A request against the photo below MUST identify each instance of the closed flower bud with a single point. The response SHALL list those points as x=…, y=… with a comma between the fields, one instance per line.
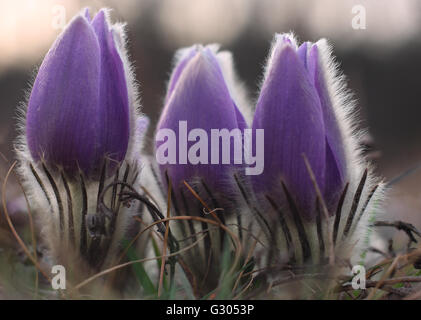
x=82, y=137
x=289, y=111
x=199, y=105
x=315, y=182
x=78, y=110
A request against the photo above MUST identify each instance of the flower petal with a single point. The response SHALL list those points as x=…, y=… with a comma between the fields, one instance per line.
x=335, y=153
x=114, y=115
x=183, y=57
x=60, y=125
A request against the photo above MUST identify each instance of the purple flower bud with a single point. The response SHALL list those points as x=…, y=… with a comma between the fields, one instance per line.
x=296, y=112
x=78, y=111
x=198, y=100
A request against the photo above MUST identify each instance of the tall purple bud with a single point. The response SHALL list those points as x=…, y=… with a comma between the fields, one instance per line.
x=199, y=106
x=82, y=133
x=78, y=110
x=290, y=108
x=307, y=114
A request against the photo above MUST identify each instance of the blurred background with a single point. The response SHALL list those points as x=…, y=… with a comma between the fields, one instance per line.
x=382, y=59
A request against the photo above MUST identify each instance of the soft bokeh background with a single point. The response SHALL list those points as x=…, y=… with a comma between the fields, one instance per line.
x=382, y=62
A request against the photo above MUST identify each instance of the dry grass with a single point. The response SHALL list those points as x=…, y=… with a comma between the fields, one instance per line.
x=392, y=277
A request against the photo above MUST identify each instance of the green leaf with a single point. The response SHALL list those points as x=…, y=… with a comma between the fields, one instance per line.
x=140, y=272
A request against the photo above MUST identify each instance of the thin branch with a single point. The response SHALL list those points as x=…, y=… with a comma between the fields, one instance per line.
x=408, y=228
x=164, y=248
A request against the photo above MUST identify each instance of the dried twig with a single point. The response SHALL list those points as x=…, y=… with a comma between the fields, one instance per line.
x=164, y=248
x=324, y=209
x=408, y=228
